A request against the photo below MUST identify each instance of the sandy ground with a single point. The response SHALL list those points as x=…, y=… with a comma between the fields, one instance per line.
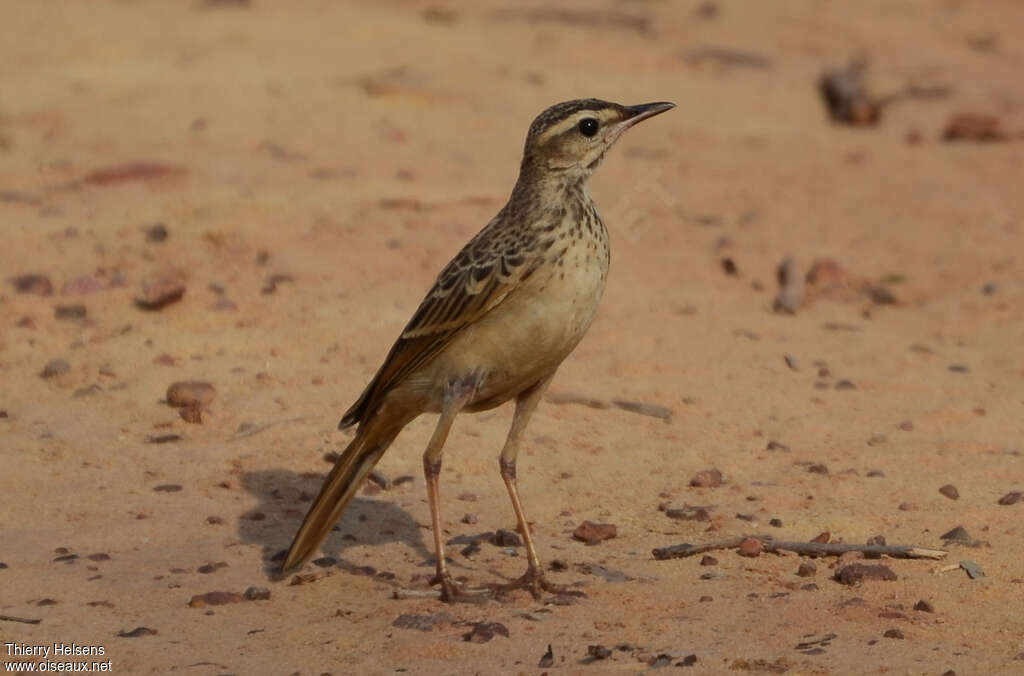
x=315, y=164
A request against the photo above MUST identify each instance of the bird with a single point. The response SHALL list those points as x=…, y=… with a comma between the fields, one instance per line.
x=497, y=323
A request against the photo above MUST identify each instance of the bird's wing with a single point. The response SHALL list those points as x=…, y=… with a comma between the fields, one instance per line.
x=478, y=279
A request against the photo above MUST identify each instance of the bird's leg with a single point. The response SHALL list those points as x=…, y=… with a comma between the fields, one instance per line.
x=533, y=579
x=457, y=394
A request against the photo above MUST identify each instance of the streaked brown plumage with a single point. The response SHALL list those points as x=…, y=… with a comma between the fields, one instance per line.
x=496, y=325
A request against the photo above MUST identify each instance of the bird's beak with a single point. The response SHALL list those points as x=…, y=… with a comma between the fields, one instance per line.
x=644, y=111
x=638, y=114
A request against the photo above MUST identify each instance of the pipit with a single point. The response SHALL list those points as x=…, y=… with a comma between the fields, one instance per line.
x=496, y=325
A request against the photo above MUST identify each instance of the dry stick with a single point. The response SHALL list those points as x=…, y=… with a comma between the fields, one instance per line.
x=256, y=429
x=824, y=548
x=23, y=620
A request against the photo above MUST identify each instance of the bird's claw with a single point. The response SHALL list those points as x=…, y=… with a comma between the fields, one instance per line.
x=533, y=581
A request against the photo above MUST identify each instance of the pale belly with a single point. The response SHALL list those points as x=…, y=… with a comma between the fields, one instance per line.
x=525, y=338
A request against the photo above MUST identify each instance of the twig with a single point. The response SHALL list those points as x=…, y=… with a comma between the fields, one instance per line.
x=686, y=549
x=945, y=569
x=23, y=620
x=824, y=548
x=256, y=429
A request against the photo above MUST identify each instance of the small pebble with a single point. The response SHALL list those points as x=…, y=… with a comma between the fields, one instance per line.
x=592, y=533
x=708, y=478
x=950, y=491
x=750, y=547
x=167, y=488
x=818, y=468
x=81, y=286
x=191, y=413
x=807, y=570
x=73, y=312
x=893, y=633
x=214, y=598
x=599, y=652
x=1011, y=498
x=791, y=287
x=972, y=126
x=325, y=562
x=196, y=393
x=775, y=523
x=924, y=606
x=39, y=285
x=257, y=594
x=422, y=621
x=54, y=368
x=137, y=632
x=972, y=569
x=483, y=632
x=156, y=233
x=547, y=660
x=369, y=571
x=208, y=568
x=159, y=293
x=845, y=385
x=652, y=410
x=958, y=535
x=506, y=538
x=855, y=573
x=162, y=438
x=469, y=518
x=688, y=514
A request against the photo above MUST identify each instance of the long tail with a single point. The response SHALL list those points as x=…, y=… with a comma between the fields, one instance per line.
x=340, y=487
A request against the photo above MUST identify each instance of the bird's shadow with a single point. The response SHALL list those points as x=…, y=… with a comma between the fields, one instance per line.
x=284, y=497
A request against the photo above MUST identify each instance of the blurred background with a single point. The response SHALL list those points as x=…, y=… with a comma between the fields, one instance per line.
x=815, y=264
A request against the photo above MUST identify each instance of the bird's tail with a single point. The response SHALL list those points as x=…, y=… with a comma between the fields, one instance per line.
x=341, y=485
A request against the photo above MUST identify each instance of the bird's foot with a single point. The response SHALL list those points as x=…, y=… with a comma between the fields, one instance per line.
x=450, y=591
x=533, y=581
x=456, y=592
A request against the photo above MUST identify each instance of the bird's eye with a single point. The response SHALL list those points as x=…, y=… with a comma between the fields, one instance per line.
x=588, y=126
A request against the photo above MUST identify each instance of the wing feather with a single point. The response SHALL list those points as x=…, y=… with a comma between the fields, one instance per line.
x=471, y=285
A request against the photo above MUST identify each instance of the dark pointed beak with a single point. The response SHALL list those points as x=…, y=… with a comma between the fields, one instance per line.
x=644, y=111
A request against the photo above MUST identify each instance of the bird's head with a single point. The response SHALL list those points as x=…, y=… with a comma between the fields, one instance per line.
x=571, y=138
